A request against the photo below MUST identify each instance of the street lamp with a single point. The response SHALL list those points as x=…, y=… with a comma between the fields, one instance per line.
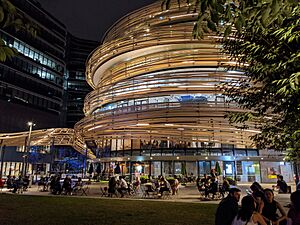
x=27, y=147
x=84, y=161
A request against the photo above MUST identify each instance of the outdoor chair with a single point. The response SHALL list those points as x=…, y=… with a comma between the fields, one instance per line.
x=104, y=192
x=20, y=189
x=166, y=195
x=81, y=190
x=151, y=192
x=143, y=191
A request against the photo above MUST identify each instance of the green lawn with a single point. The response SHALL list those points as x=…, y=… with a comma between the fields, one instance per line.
x=38, y=210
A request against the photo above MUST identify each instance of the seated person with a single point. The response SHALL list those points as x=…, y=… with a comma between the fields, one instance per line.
x=123, y=187
x=258, y=196
x=225, y=187
x=213, y=188
x=9, y=182
x=204, y=183
x=56, y=189
x=26, y=183
x=78, y=184
x=281, y=184
x=67, y=185
x=294, y=212
x=18, y=184
x=164, y=185
x=42, y=184
x=269, y=211
x=112, y=186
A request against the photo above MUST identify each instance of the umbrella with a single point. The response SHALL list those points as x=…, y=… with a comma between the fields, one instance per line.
x=183, y=168
x=218, y=168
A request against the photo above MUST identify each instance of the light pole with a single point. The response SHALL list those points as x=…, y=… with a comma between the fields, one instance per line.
x=27, y=147
x=2, y=150
x=84, y=162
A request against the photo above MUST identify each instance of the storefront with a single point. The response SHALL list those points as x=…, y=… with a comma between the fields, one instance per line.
x=242, y=169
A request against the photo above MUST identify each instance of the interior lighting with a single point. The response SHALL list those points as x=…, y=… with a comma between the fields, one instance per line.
x=188, y=61
x=142, y=124
x=139, y=168
x=193, y=86
x=169, y=124
x=93, y=128
x=177, y=157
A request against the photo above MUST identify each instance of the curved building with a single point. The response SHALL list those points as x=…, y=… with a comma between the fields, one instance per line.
x=157, y=105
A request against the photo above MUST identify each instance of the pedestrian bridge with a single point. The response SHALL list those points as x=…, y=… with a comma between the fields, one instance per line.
x=44, y=137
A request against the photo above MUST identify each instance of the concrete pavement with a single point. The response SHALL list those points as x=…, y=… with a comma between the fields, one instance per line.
x=188, y=193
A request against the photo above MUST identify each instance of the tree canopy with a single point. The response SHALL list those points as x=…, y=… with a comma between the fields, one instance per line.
x=10, y=17
x=264, y=43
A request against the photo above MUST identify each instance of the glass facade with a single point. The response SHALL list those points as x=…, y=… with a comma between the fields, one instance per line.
x=31, y=83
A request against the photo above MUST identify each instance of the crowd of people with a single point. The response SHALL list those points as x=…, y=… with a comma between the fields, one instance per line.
x=67, y=186
x=210, y=185
x=17, y=184
x=258, y=208
x=160, y=185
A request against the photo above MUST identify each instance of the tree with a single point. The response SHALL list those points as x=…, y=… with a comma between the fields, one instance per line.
x=264, y=39
x=271, y=88
x=10, y=17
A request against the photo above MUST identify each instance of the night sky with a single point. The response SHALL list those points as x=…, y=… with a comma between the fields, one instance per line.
x=89, y=19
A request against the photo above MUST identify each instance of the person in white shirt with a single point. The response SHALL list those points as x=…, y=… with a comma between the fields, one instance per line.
x=175, y=186
x=123, y=186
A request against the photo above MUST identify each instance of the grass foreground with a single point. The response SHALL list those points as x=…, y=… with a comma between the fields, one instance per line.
x=41, y=210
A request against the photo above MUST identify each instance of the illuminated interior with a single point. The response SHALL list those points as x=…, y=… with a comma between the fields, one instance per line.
x=154, y=83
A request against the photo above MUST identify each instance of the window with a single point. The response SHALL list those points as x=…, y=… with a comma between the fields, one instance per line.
x=252, y=153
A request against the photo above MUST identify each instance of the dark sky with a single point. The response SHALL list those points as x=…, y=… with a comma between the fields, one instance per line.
x=90, y=19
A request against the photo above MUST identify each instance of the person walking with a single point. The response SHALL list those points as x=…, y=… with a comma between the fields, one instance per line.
x=228, y=208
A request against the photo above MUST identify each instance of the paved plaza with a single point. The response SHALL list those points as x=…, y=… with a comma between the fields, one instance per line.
x=188, y=193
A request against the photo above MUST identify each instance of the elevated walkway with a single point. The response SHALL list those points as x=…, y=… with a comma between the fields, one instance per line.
x=53, y=136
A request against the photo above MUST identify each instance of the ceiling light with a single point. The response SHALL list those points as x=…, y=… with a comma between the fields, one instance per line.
x=169, y=124
x=142, y=124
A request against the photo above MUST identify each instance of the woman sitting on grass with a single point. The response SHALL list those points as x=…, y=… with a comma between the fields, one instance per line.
x=271, y=206
x=247, y=214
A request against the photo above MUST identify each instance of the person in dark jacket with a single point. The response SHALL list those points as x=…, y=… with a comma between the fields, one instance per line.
x=281, y=184
x=294, y=212
x=228, y=208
